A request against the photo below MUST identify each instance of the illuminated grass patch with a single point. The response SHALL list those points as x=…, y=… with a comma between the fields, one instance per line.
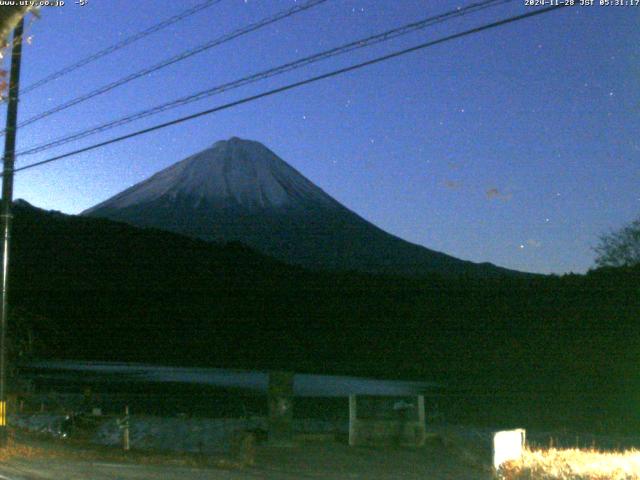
x=573, y=464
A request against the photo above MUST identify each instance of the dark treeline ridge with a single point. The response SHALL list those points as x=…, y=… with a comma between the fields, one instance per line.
x=563, y=348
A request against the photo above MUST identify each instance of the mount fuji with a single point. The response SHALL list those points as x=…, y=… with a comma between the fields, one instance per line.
x=239, y=190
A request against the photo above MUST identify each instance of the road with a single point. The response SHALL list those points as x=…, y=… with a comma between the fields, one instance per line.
x=76, y=470
x=314, y=462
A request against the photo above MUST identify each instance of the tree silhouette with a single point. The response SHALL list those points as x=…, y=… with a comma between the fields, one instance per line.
x=620, y=248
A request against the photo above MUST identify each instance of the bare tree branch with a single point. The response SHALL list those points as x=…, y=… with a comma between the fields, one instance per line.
x=620, y=248
x=9, y=18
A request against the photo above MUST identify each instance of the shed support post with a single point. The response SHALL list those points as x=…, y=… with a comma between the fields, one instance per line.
x=421, y=421
x=280, y=399
x=353, y=418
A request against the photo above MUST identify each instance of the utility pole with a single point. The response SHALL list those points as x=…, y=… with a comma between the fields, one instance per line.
x=7, y=198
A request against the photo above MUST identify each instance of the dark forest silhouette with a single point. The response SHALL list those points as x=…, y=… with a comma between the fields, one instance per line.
x=557, y=349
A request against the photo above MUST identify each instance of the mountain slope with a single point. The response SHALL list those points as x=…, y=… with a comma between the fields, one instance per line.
x=239, y=190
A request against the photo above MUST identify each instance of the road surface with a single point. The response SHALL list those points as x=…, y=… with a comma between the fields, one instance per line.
x=329, y=462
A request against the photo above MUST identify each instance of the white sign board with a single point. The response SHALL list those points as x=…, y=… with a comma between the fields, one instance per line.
x=507, y=445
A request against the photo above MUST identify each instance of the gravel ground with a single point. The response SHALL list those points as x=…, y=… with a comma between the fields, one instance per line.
x=170, y=434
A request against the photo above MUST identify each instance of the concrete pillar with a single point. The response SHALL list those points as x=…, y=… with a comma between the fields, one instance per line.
x=280, y=398
x=422, y=422
x=353, y=418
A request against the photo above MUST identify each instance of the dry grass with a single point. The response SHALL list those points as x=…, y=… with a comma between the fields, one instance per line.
x=573, y=464
x=18, y=449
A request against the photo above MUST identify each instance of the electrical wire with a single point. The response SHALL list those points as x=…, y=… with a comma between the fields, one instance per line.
x=296, y=85
x=284, y=68
x=119, y=45
x=170, y=61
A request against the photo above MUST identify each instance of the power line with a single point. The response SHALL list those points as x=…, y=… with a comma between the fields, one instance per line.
x=295, y=85
x=284, y=68
x=177, y=58
x=121, y=44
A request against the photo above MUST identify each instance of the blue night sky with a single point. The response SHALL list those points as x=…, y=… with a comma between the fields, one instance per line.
x=518, y=146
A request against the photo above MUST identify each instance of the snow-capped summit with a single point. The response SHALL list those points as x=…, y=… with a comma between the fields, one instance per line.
x=233, y=173
x=239, y=190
